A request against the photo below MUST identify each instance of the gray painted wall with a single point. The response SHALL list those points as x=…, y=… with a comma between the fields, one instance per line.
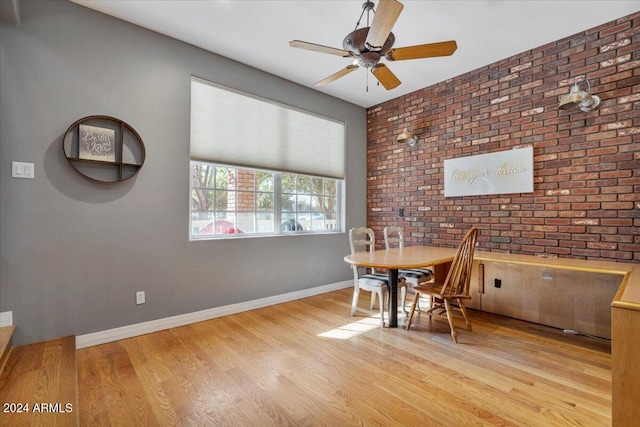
x=73, y=253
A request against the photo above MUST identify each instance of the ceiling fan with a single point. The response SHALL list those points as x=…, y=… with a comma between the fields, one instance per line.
x=367, y=45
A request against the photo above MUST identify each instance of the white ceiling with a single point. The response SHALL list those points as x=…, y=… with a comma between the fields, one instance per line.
x=257, y=33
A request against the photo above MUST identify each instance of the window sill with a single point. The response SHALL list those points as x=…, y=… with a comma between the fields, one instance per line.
x=254, y=236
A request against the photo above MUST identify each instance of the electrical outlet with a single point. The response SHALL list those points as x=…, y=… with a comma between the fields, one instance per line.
x=140, y=297
x=497, y=283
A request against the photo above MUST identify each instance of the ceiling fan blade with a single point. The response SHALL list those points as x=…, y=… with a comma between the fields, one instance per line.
x=335, y=76
x=385, y=76
x=320, y=48
x=386, y=16
x=429, y=50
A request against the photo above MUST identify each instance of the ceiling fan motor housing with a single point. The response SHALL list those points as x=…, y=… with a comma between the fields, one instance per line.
x=355, y=42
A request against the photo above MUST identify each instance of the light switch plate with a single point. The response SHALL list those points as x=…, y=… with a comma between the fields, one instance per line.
x=22, y=170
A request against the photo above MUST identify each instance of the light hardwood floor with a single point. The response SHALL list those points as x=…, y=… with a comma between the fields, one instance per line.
x=38, y=386
x=308, y=363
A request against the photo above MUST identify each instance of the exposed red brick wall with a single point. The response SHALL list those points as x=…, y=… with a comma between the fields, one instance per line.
x=246, y=190
x=586, y=199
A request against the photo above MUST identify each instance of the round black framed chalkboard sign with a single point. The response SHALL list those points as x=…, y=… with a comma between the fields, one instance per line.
x=103, y=149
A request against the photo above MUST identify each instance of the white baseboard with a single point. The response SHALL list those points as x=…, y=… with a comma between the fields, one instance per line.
x=134, y=330
x=6, y=319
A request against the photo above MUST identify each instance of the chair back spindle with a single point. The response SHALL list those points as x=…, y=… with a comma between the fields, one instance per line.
x=393, y=236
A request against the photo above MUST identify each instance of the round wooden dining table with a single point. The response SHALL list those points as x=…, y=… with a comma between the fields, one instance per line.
x=402, y=258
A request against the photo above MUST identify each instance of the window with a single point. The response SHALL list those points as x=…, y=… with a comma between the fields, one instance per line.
x=260, y=167
x=230, y=201
x=308, y=203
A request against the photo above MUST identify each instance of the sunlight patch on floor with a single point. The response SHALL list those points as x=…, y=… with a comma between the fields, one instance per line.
x=353, y=329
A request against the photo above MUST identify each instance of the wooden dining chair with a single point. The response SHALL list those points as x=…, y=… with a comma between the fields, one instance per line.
x=362, y=239
x=394, y=238
x=455, y=288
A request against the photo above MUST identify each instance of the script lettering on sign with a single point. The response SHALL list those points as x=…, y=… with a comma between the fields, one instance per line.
x=96, y=143
x=494, y=173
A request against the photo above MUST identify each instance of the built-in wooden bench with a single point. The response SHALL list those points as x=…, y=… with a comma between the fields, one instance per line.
x=568, y=294
x=6, y=333
x=584, y=278
x=39, y=384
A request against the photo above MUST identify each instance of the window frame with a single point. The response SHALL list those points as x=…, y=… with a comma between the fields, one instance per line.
x=277, y=205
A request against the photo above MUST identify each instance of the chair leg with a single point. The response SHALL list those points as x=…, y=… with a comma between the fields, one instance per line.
x=463, y=309
x=413, y=309
x=381, y=295
x=354, y=303
x=403, y=297
x=447, y=306
x=373, y=301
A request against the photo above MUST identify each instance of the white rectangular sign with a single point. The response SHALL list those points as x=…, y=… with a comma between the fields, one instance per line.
x=494, y=173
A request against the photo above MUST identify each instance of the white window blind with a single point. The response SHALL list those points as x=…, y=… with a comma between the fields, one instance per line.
x=236, y=128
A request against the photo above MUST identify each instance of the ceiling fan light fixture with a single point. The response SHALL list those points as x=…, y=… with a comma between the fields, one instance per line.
x=408, y=137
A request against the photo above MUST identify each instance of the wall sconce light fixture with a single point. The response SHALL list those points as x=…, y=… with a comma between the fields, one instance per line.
x=408, y=137
x=580, y=98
